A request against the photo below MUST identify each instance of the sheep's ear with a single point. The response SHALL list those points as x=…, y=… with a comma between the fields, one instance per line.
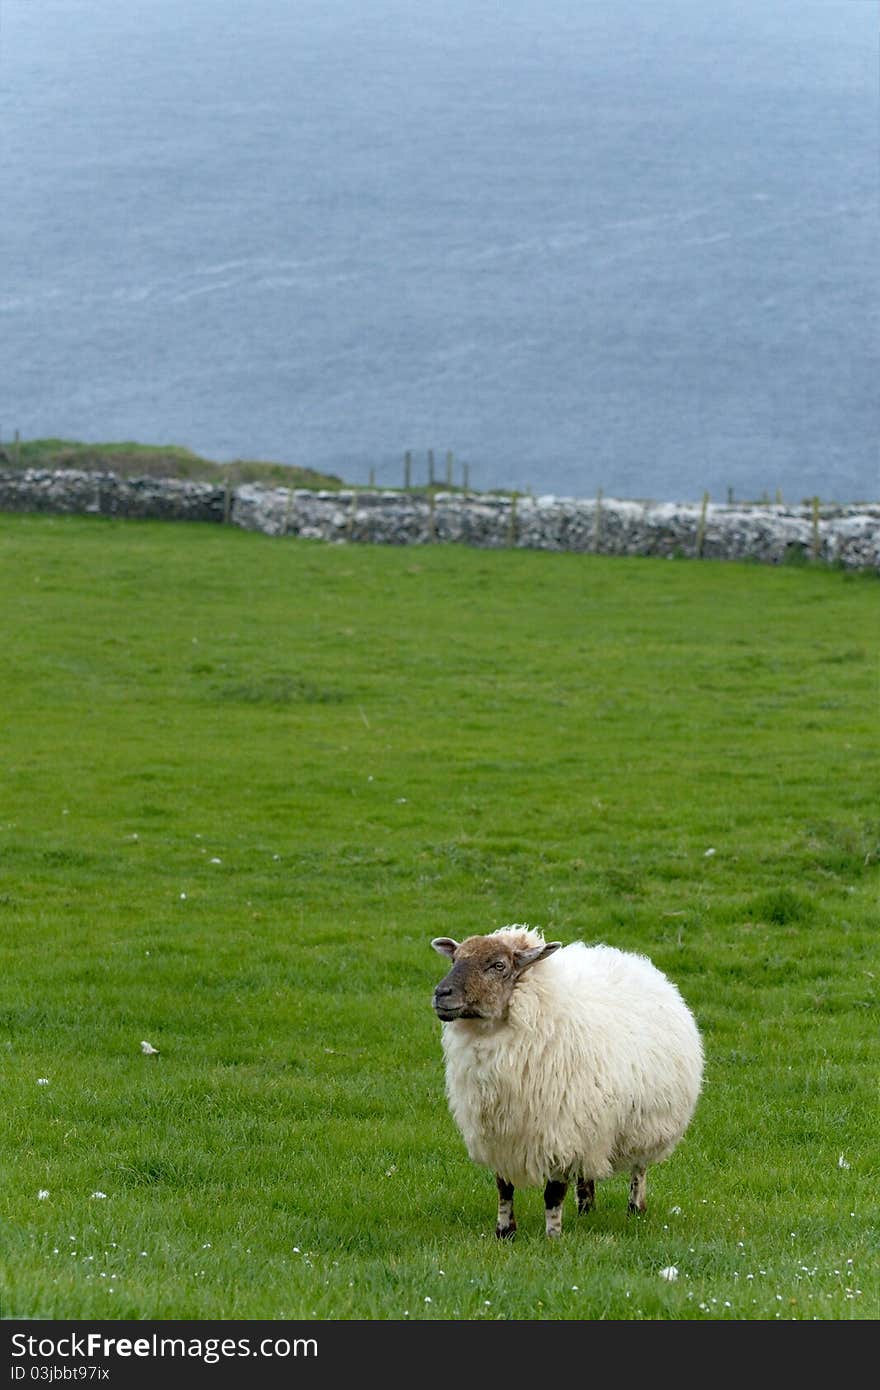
x=445, y=946
x=523, y=959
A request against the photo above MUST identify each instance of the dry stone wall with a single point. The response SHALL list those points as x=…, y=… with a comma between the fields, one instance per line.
x=105, y=494
x=836, y=534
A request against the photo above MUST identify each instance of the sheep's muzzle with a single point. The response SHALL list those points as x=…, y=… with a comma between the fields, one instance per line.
x=450, y=1001
x=449, y=1009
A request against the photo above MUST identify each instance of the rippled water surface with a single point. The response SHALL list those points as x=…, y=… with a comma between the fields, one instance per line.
x=604, y=243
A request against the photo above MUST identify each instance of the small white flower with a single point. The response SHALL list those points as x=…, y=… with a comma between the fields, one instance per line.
x=183, y=897
x=42, y=1081
x=707, y=854
x=428, y=1298
x=42, y=1194
x=842, y=1163
x=99, y=1194
x=675, y=1211
x=149, y=1050
x=216, y=861
x=670, y=1273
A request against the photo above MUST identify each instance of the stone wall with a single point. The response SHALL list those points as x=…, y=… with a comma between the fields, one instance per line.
x=104, y=494
x=846, y=535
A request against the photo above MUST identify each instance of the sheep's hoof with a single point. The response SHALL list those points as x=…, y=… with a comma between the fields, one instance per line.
x=506, y=1232
x=636, y=1210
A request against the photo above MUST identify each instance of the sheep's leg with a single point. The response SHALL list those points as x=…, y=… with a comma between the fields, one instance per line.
x=505, y=1228
x=586, y=1195
x=638, y=1190
x=554, y=1194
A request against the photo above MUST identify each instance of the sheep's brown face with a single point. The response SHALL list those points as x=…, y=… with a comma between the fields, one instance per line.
x=484, y=972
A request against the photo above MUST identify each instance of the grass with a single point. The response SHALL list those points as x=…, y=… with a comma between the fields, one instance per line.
x=131, y=460
x=247, y=780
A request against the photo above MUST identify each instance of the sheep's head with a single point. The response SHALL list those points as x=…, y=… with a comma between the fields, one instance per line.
x=485, y=970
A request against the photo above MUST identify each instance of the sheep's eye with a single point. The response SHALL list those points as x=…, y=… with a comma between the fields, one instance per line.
x=498, y=965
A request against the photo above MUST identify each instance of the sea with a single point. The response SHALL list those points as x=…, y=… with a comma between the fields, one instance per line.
x=552, y=245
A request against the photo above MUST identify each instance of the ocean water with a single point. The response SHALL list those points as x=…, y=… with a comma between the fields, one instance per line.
x=628, y=244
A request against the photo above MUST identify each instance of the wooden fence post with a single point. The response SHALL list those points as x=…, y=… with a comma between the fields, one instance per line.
x=511, y=523
x=816, y=539
x=227, y=500
x=597, y=522
x=701, y=529
x=430, y=468
x=449, y=468
x=407, y=470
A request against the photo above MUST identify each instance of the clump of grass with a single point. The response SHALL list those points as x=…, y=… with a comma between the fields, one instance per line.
x=281, y=690
x=782, y=906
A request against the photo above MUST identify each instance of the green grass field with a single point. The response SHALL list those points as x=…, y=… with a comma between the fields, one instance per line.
x=131, y=460
x=246, y=780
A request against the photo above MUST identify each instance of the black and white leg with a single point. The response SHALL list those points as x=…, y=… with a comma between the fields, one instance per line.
x=505, y=1228
x=638, y=1190
x=586, y=1195
x=554, y=1194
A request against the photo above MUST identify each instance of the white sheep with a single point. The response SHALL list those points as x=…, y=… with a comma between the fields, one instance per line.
x=564, y=1064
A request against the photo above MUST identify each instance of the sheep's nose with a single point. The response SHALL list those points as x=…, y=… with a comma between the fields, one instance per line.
x=442, y=991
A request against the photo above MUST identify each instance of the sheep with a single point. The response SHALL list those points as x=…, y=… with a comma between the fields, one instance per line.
x=564, y=1064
